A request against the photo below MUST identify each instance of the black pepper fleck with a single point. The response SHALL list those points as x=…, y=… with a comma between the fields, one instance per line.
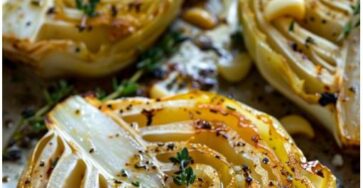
x=213, y=110
x=51, y=10
x=248, y=180
x=170, y=146
x=202, y=124
x=328, y=98
x=6, y=179
x=114, y=11
x=41, y=164
x=294, y=47
x=320, y=173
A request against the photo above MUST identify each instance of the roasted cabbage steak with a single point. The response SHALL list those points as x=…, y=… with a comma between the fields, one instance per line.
x=64, y=37
x=309, y=51
x=131, y=141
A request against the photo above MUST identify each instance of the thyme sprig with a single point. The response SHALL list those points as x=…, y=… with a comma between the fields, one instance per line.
x=32, y=121
x=148, y=62
x=35, y=119
x=185, y=175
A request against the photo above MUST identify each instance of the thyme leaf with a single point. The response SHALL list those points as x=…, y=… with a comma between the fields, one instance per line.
x=291, y=26
x=356, y=8
x=185, y=175
x=349, y=26
x=347, y=29
x=100, y=93
x=136, y=183
x=151, y=59
x=89, y=8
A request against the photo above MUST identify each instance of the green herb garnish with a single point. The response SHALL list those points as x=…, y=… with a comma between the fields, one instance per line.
x=32, y=122
x=151, y=59
x=54, y=94
x=291, y=26
x=135, y=183
x=148, y=62
x=356, y=8
x=231, y=108
x=309, y=40
x=347, y=29
x=185, y=175
x=100, y=93
x=126, y=87
x=349, y=26
x=87, y=8
x=181, y=158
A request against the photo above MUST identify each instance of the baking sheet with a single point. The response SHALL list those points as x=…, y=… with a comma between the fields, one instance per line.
x=21, y=88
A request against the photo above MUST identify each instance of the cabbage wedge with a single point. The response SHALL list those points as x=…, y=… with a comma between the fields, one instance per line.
x=305, y=52
x=59, y=38
x=128, y=143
